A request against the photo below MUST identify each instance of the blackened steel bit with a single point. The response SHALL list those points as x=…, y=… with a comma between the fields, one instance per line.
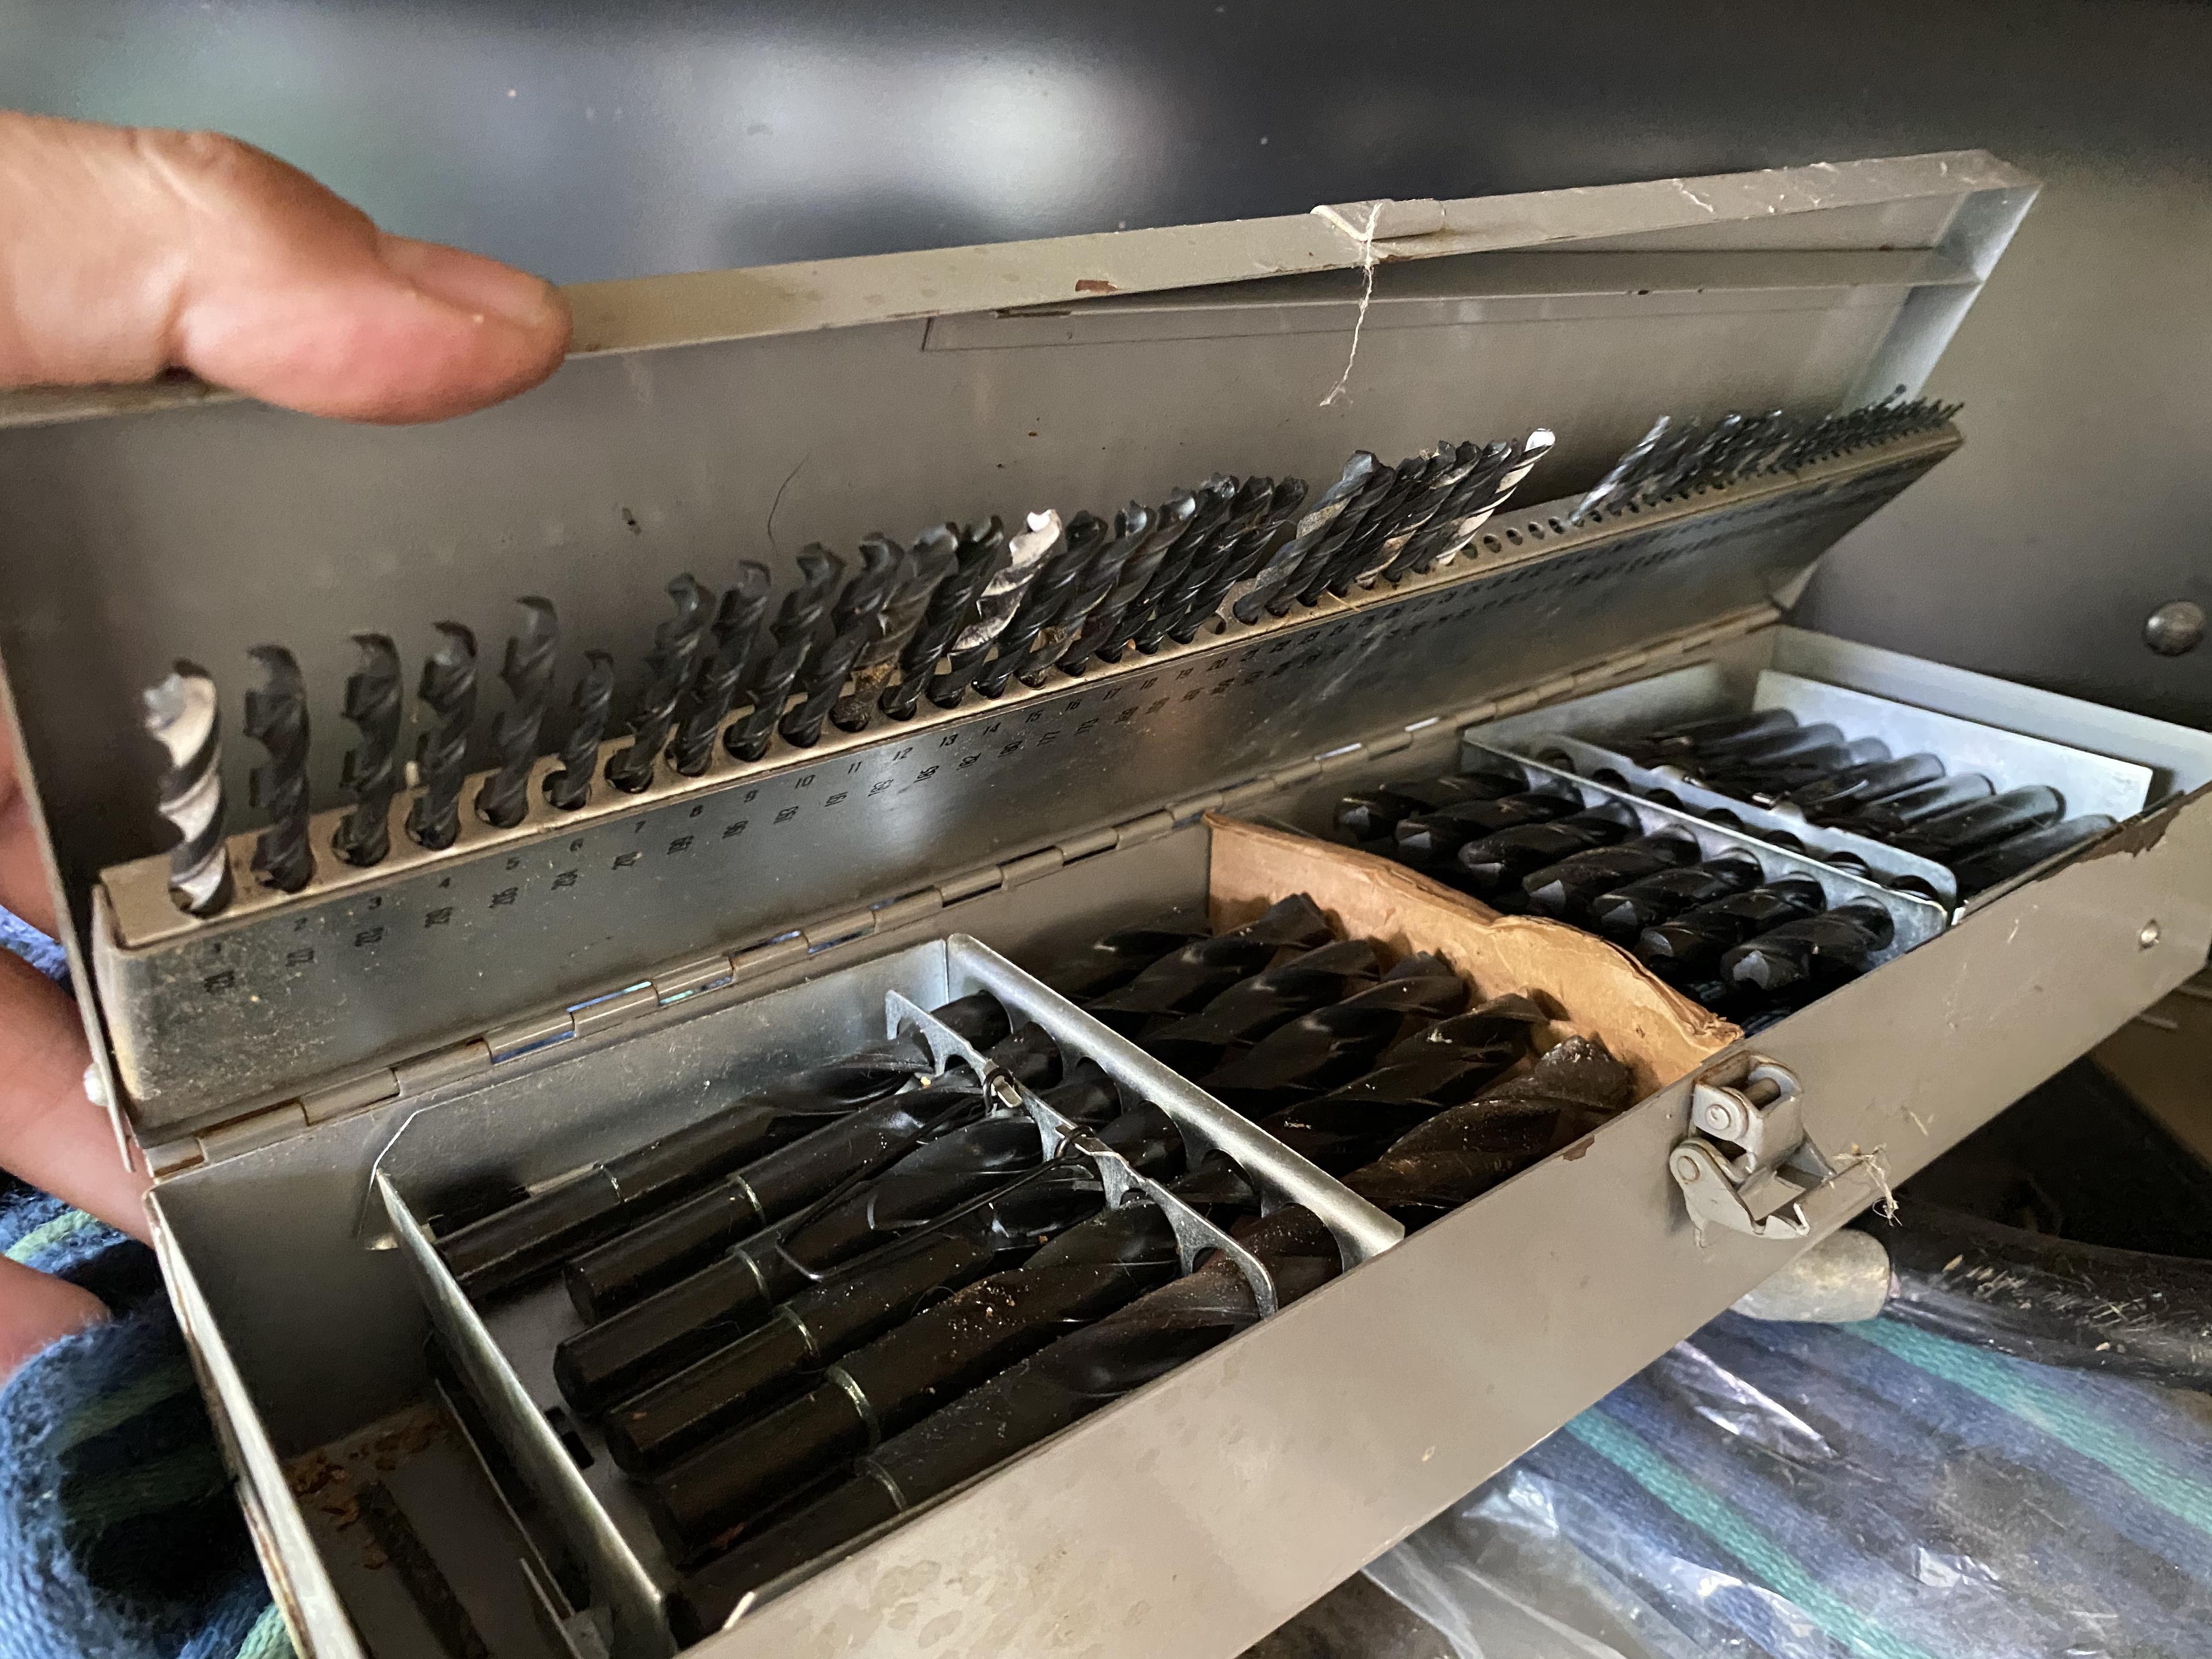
x=1627, y=911
x=588, y=708
x=1492, y=867
x=1042, y=604
x=2023, y=852
x=1110, y=622
x=1248, y=595
x=978, y=557
x=1267, y=529
x=373, y=699
x=1026, y=554
x=1200, y=537
x=736, y=640
x=1422, y=839
x=804, y=615
x=528, y=673
x=748, y=739
x=1329, y=1048
x=1245, y=506
x=181, y=715
x=1408, y=482
x=1568, y=889
x=448, y=687
x=1087, y=591
x=276, y=719
x=1456, y=522
x=676, y=644
x=1981, y=823
x=1380, y=552
x=822, y=680
x=1373, y=814
x=1526, y=454
x=1183, y=980
x=1827, y=949
x=933, y=559
x=1689, y=947
x=1248, y=1010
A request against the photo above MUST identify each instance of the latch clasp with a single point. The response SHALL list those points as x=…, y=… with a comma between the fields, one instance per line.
x=1747, y=1164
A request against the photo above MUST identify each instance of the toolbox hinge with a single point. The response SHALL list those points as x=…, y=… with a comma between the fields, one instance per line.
x=691, y=976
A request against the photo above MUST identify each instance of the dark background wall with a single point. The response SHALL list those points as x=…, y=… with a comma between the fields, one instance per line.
x=589, y=142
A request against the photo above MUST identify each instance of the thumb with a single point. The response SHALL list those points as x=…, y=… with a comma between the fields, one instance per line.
x=125, y=252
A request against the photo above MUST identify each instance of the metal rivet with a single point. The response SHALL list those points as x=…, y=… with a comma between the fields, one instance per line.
x=2149, y=936
x=2175, y=629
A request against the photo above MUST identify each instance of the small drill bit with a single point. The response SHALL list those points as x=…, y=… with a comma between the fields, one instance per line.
x=441, y=755
x=373, y=705
x=1026, y=554
x=1624, y=472
x=1111, y=622
x=674, y=658
x=588, y=708
x=181, y=715
x=1250, y=595
x=1200, y=537
x=933, y=560
x=738, y=643
x=859, y=618
x=1380, y=555
x=1132, y=526
x=747, y=739
x=804, y=615
x=1520, y=459
x=1211, y=566
x=276, y=719
x=528, y=673
x=979, y=555
x=1271, y=524
x=1047, y=598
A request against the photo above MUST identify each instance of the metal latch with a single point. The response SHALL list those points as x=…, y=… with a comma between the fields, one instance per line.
x=1747, y=1164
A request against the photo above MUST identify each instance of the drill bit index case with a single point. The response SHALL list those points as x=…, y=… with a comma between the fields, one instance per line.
x=308, y=1069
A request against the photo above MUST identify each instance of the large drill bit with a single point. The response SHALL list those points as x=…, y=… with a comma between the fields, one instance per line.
x=528, y=673
x=588, y=707
x=858, y=621
x=373, y=699
x=1026, y=555
x=181, y=715
x=448, y=687
x=933, y=559
x=276, y=719
x=676, y=644
x=737, y=636
x=978, y=556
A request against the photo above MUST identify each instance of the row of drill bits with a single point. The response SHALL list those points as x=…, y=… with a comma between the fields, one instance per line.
x=1767, y=758
x=823, y=1269
x=1719, y=929
x=961, y=611
x=1673, y=459
x=1381, y=1071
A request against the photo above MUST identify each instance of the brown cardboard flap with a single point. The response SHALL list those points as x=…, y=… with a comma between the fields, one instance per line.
x=1603, y=991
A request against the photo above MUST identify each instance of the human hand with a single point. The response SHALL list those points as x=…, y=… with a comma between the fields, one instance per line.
x=124, y=252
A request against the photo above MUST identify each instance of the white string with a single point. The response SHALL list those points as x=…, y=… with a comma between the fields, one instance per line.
x=1366, y=295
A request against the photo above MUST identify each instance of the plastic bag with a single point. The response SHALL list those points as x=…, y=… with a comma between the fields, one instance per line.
x=1855, y=1491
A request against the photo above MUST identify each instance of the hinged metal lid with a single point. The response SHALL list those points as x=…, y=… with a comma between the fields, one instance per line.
x=734, y=414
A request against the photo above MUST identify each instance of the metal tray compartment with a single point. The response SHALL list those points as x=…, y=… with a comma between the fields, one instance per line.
x=506, y=1354
x=1581, y=736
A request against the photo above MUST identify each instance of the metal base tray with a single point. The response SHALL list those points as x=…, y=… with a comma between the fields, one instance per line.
x=1184, y=1520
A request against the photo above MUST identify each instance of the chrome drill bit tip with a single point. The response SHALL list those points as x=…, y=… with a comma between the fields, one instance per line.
x=181, y=714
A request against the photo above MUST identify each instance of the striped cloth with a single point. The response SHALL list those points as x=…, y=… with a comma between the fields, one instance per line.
x=119, y=1536
x=1857, y=1491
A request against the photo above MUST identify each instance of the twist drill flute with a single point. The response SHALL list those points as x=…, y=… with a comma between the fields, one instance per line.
x=372, y=700
x=276, y=719
x=528, y=673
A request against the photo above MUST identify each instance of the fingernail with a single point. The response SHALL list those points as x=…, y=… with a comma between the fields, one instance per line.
x=469, y=281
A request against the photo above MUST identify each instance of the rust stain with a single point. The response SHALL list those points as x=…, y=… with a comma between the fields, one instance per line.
x=1094, y=285
x=1578, y=1148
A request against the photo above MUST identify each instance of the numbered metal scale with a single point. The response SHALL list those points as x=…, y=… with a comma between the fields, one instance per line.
x=531, y=997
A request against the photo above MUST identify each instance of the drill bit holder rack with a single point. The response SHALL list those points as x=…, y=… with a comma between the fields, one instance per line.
x=504, y=1353
x=1584, y=733
x=1917, y=919
x=574, y=976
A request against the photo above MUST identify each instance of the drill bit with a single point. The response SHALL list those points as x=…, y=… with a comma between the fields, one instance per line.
x=1198, y=538
x=1132, y=526
x=1272, y=521
x=441, y=755
x=804, y=617
x=933, y=558
x=737, y=642
x=1047, y=598
x=528, y=673
x=676, y=647
x=1114, y=615
x=181, y=715
x=1210, y=569
x=1382, y=552
x=1520, y=460
x=856, y=621
x=1248, y=596
x=588, y=705
x=373, y=705
x=978, y=556
x=1026, y=554
x=1624, y=472
x=276, y=719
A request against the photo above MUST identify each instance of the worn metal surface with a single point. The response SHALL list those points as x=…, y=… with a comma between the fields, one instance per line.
x=367, y=965
x=1843, y=1278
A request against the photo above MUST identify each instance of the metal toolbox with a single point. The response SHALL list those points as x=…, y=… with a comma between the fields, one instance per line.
x=561, y=977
